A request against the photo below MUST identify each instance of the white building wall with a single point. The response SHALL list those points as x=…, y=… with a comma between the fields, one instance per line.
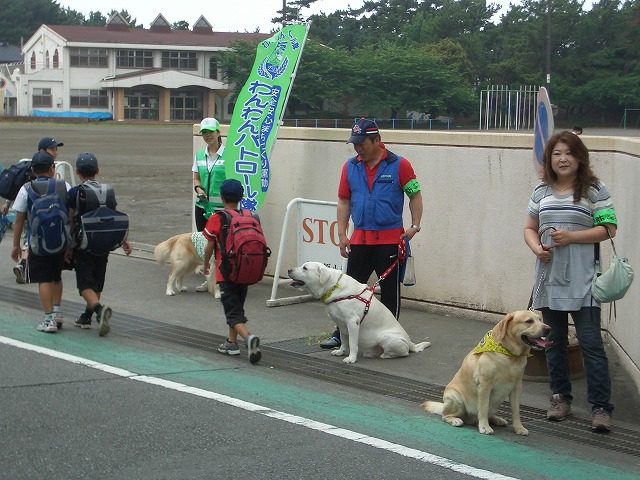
x=471, y=259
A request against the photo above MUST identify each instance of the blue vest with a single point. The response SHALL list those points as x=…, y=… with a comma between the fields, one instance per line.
x=380, y=208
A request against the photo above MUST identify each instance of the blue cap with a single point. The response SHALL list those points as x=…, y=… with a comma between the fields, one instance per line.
x=361, y=129
x=232, y=190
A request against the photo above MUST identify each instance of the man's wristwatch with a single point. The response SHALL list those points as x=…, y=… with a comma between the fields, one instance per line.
x=415, y=227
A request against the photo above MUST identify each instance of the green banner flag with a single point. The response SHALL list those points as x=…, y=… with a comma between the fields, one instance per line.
x=258, y=112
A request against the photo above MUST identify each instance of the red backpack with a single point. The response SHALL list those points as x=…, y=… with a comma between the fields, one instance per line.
x=244, y=249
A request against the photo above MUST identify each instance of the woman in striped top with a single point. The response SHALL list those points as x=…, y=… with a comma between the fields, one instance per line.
x=568, y=213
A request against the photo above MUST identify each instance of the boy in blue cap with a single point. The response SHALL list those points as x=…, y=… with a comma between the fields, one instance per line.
x=232, y=295
x=91, y=269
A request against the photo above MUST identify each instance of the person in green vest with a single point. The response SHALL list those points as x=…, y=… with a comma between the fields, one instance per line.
x=208, y=175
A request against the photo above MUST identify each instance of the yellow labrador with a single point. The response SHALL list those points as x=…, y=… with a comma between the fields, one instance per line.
x=491, y=373
x=366, y=325
x=180, y=250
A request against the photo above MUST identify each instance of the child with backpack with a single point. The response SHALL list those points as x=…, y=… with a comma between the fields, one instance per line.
x=91, y=249
x=241, y=261
x=42, y=202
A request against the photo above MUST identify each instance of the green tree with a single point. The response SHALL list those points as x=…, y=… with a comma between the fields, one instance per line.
x=181, y=25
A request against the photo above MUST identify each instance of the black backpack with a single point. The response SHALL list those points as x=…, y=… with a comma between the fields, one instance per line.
x=13, y=178
x=100, y=229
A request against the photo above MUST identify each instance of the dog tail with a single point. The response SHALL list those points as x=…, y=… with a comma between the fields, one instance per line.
x=418, y=347
x=163, y=250
x=433, y=407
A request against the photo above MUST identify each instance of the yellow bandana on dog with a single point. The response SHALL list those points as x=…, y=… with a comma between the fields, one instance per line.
x=488, y=344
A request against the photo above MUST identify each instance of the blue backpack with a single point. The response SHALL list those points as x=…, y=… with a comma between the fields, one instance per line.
x=100, y=229
x=48, y=218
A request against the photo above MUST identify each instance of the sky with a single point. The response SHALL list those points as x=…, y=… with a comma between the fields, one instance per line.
x=223, y=15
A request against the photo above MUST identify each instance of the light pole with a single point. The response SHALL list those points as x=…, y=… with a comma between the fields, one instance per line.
x=548, y=46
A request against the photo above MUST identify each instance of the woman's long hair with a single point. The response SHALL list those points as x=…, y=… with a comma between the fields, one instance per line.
x=585, y=175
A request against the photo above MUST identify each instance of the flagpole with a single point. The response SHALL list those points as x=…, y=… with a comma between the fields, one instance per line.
x=293, y=76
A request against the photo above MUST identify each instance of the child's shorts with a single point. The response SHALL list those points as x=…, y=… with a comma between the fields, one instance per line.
x=91, y=270
x=44, y=269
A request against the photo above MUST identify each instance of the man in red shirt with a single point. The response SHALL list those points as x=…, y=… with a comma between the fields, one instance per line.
x=371, y=191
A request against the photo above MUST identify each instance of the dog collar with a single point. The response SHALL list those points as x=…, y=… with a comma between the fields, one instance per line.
x=488, y=344
x=331, y=290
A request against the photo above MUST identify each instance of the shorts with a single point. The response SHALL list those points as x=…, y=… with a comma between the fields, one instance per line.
x=91, y=270
x=44, y=269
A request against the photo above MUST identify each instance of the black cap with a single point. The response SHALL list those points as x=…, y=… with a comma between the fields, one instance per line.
x=48, y=142
x=42, y=158
x=86, y=159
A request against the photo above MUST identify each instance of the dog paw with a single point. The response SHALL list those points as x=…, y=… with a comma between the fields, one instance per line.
x=337, y=353
x=485, y=429
x=453, y=421
x=349, y=360
x=521, y=431
x=170, y=293
x=183, y=289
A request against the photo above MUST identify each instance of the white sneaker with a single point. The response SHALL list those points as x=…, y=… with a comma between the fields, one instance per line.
x=103, y=319
x=48, y=326
x=203, y=288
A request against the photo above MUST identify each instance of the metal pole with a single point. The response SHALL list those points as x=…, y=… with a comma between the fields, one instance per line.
x=549, y=48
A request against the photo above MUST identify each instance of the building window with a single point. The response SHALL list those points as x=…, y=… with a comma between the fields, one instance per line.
x=88, y=57
x=89, y=99
x=185, y=105
x=33, y=61
x=46, y=60
x=230, y=108
x=56, y=59
x=213, y=68
x=42, y=97
x=180, y=60
x=141, y=104
x=134, y=59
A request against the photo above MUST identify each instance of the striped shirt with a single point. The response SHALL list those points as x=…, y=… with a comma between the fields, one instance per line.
x=564, y=283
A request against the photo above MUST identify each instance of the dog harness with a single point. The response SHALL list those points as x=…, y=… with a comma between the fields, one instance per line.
x=366, y=301
x=488, y=344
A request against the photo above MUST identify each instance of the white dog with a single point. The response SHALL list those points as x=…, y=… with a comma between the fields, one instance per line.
x=182, y=251
x=492, y=372
x=365, y=324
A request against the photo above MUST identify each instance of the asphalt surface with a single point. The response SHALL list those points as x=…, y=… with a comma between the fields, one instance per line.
x=289, y=334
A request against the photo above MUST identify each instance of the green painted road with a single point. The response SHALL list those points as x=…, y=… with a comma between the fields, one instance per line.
x=375, y=420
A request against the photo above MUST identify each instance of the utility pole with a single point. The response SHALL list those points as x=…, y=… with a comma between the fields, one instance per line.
x=548, y=47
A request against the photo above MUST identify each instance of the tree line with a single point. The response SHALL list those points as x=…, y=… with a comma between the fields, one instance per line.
x=393, y=56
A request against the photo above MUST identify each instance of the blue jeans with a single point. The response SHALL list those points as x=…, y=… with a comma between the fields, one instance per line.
x=596, y=365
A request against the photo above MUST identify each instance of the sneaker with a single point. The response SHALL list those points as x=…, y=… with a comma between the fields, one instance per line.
x=103, y=319
x=203, y=288
x=59, y=319
x=18, y=271
x=229, y=347
x=48, y=326
x=331, y=342
x=601, y=421
x=559, y=409
x=83, y=321
x=253, y=349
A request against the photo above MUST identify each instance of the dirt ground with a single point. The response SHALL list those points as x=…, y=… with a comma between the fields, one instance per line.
x=149, y=167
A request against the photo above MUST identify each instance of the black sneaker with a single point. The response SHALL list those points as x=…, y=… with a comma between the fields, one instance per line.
x=253, y=349
x=83, y=321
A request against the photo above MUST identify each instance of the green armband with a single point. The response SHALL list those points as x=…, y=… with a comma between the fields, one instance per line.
x=605, y=216
x=411, y=187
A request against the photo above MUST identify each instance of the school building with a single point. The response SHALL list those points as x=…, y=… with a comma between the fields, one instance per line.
x=125, y=74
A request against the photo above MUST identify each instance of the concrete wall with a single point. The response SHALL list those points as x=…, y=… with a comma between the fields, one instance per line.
x=471, y=259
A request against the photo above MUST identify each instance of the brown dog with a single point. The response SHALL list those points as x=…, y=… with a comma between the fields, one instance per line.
x=180, y=250
x=491, y=373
